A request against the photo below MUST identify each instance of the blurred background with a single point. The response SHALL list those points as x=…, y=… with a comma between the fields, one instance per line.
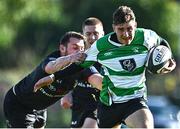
x=30, y=29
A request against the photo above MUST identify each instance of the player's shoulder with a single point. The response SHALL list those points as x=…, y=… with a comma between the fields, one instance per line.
x=146, y=32
x=105, y=42
x=90, y=70
x=54, y=54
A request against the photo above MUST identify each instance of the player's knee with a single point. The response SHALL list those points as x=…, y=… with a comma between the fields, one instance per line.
x=147, y=125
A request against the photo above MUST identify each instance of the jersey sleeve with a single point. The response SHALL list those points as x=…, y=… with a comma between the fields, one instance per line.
x=70, y=70
x=52, y=56
x=83, y=75
x=91, y=58
x=164, y=42
x=46, y=61
x=151, y=39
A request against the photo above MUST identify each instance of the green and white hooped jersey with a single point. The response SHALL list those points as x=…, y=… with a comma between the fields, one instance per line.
x=124, y=65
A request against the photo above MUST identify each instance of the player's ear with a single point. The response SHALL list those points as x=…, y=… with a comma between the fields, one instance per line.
x=62, y=48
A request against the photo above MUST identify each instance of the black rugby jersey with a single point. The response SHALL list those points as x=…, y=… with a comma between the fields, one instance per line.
x=85, y=96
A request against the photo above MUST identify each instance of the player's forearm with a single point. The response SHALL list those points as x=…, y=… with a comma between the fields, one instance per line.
x=58, y=64
x=62, y=62
x=96, y=81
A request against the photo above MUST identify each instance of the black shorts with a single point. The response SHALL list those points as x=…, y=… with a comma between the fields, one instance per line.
x=79, y=116
x=19, y=116
x=85, y=102
x=110, y=116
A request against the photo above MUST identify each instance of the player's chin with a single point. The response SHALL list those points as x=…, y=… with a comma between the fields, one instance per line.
x=126, y=42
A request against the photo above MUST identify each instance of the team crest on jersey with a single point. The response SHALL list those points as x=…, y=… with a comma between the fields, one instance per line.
x=128, y=64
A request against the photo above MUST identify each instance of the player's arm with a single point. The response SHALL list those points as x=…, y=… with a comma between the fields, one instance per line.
x=92, y=76
x=171, y=64
x=45, y=81
x=71, y=69
x=96, y=80
x=89, y=60
x=66, y=63
x=164, y=43
x=62, y=62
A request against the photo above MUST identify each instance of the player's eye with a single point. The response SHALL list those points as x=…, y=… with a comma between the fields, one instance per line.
x=87, y=34
x=129, y=29
x=96, y=33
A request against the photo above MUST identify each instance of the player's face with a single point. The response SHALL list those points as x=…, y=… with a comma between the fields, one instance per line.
x=74, y=45
x=92, y=33
x=125, y=32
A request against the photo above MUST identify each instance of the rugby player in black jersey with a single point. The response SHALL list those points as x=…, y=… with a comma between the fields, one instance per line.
x=84, y=98
x=25, y=106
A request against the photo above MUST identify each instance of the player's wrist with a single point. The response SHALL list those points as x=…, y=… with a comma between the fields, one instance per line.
x=71, y=59
x=52, y=76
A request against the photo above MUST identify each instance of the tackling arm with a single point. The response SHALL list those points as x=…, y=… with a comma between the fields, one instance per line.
x=62, y=62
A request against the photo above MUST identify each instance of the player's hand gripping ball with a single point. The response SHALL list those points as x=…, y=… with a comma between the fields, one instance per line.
x=158, y=59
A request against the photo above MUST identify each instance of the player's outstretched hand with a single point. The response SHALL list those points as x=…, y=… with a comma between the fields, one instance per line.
x=171, y=65
x=43, y=82
x=78, y=57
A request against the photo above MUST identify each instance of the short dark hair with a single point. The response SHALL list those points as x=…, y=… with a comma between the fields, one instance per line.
x=91, y=21
x=123, y=14
x=65, y=38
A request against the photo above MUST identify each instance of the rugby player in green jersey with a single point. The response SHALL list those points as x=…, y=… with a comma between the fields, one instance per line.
x=123, y=55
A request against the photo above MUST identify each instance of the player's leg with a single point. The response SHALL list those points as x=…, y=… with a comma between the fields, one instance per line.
x=109, y=116
x=140, y=119
x=17, y=115
x=90, y=118
x=76, y=121
x=138, y=114
x=14, y=112
x=90, y=123
x=83, y=119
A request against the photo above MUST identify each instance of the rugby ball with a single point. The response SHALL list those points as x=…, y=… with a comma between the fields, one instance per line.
x=158, y=58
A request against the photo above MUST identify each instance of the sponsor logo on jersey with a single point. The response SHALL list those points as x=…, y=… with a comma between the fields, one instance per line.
x=108, y=54
x=136, y=50
x=52, y=88
x=128, y=64
x=81, y=84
